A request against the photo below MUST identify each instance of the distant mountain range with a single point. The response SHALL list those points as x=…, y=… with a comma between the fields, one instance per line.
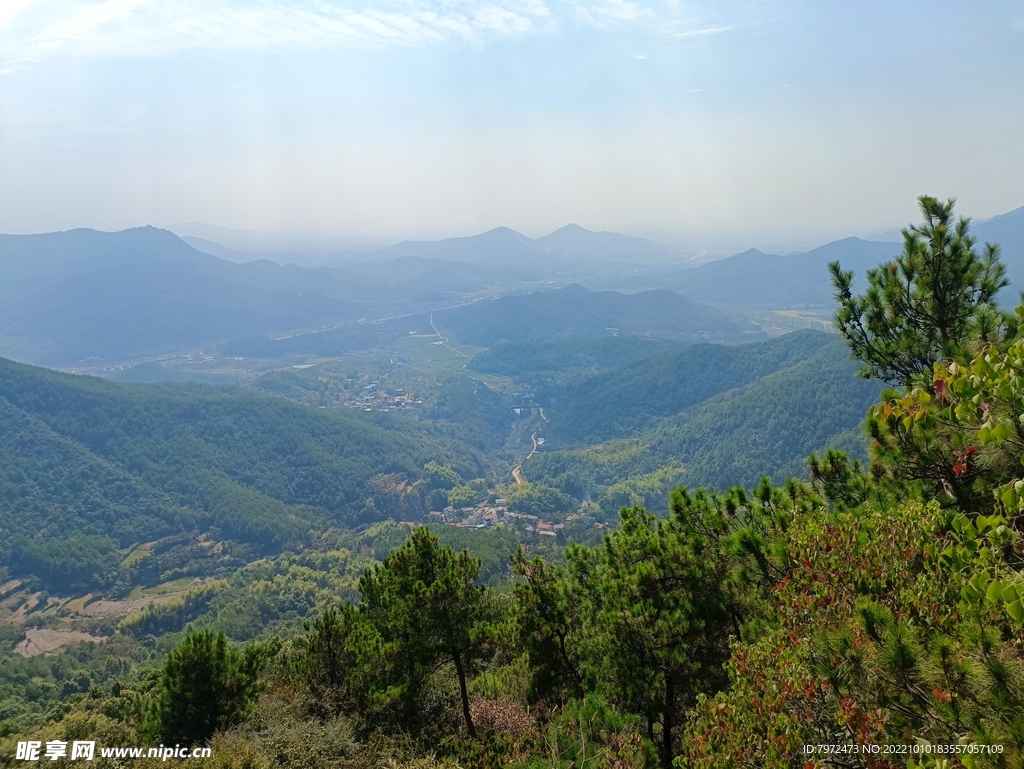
x=750, y=278
x=83, y=295
x=770, y=280
x=1008, y=230
x=70, y=296
x=507, y=247
x=501, y=246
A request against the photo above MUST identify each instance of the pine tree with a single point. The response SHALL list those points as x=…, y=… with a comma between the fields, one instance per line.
x=336, y=649
x=549, y=616
x=204, y=687
x=424, y=604
x=656, y=589
x=927, y=305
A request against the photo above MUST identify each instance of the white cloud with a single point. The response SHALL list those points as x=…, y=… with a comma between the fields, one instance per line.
x=164, y=27
x=607, y=12
x=33, y=29
x=672, y=19
x=10, y=9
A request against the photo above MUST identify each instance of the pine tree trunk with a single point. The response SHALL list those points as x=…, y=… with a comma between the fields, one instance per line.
x=465, y=693
x=666, y=723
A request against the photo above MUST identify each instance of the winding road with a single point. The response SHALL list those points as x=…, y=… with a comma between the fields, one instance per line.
x=517, y=471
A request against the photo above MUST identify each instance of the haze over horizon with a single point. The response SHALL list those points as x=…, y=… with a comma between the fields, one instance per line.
x=373, y=123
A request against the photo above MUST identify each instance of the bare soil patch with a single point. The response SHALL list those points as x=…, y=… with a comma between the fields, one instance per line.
x=48, y=641
x=102, y=608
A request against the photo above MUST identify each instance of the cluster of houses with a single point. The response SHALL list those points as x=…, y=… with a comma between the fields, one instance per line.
x=484, y=516
x=373, y=397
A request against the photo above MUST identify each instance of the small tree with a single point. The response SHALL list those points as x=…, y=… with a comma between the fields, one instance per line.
x=204, y=687
x=423, y=602
x=548, y=617
x=440, y=476
x=659, y=614
x=336, y=649
x=926, y=306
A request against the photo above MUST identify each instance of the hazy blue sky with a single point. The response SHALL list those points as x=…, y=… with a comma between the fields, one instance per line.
x=440, y=117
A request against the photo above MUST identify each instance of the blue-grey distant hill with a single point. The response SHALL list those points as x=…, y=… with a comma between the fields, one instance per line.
x=574, y=311
x=802, y=280
x=573, y=241
x=223, y=252
x=70, y=296
x=504, y=246
x=1007, y=230
x=771, y=280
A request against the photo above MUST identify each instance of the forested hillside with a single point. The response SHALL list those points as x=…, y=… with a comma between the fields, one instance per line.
x=536, y=362
x=767, y=427
x=630, y=397
x=91, y=467
x=575, y=311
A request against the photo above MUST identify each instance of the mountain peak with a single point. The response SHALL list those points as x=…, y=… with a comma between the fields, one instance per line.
x=500, y=233
x=1015, y=214
x=573, y=228
x=579, y=241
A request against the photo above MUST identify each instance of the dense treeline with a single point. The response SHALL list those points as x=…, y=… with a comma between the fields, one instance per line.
x=462, y=410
